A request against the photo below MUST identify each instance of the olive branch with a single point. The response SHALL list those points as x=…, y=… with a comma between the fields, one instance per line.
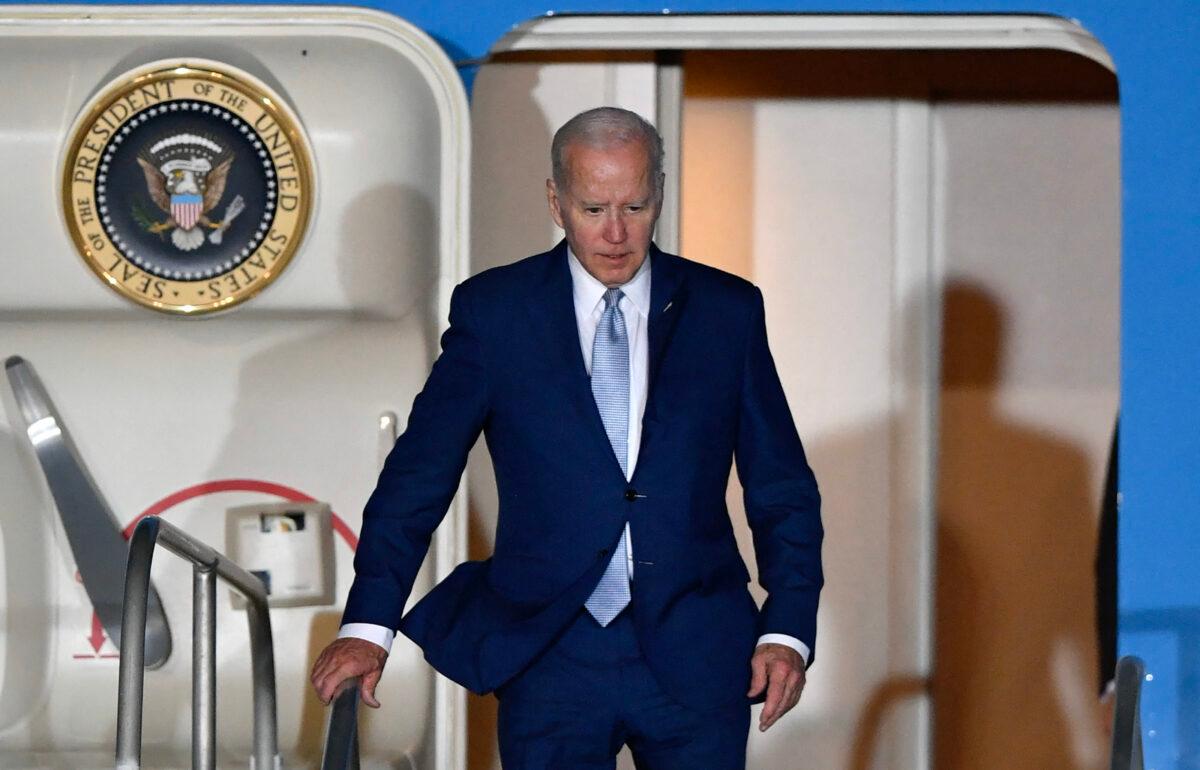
x=141, y=217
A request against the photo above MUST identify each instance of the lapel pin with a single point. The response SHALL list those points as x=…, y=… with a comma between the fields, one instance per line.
x=668, y=307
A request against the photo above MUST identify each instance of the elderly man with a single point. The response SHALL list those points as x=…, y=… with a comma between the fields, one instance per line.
x=615, y=385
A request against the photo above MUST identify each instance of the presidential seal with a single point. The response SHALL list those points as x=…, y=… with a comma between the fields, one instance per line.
x=187, y=187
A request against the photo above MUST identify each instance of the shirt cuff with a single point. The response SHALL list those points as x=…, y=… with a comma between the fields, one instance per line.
x=787, y=641
x=381, y=635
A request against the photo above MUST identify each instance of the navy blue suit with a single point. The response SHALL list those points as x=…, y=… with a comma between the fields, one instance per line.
x=511, y=367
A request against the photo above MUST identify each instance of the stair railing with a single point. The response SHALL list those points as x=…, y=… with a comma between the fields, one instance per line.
x=1127, y=720
x=341, y=733
x=92, y=530
x=207, y=565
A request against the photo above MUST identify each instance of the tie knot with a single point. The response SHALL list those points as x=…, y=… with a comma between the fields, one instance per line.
x=612, y=297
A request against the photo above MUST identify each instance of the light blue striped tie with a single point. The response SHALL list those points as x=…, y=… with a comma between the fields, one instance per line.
x=610, y=388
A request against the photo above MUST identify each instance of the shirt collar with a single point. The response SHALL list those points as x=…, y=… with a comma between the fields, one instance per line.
x=589, y=292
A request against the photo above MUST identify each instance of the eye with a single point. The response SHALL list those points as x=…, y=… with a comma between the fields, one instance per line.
x=592, y=209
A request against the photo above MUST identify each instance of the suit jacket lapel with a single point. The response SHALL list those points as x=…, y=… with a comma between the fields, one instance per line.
x=552, y=305
x=667, y=297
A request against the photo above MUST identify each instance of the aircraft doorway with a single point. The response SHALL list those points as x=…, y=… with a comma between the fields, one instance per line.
x=937, y=236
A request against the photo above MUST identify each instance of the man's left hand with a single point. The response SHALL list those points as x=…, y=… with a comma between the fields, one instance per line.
x=780, y=669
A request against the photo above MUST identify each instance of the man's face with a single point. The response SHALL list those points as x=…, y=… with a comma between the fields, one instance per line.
x=608, y=208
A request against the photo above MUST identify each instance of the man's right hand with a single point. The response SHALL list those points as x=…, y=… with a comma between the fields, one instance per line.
x=344, y=659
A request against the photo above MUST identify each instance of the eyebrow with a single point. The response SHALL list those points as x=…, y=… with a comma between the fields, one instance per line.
x=596, y=204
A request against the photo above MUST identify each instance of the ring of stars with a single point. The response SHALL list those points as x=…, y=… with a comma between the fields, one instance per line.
x=251, y=138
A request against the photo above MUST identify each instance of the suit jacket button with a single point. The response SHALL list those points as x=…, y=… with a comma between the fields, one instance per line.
x=631, y=495
x=604, y=552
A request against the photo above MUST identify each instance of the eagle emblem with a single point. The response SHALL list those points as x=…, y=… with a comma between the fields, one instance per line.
x=187, y=187
x=186, y=176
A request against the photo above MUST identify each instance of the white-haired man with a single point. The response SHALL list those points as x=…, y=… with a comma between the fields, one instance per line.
x=616, y=385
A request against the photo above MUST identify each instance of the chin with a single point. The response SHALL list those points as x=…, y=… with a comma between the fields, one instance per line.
x=612, y=278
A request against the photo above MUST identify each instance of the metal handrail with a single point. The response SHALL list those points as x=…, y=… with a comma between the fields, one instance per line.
x=341, y=733
x=206, y=563
x=91, y=528
x=1127, y=719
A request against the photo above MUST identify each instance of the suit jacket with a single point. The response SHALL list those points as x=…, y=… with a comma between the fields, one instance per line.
x=511, y=367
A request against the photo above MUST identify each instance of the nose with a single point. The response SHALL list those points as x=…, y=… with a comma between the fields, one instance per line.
x=614, y=229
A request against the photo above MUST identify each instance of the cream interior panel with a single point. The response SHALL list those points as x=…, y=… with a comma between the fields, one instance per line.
x=1027, y=201
x=801, y=205
x=879, y=224
x=378, y=201
x=287, y=390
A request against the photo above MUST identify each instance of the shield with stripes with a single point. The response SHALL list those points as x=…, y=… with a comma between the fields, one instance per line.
x=186, y=210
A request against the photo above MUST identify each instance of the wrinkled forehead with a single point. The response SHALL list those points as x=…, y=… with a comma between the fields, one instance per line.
x=606, y=146
x=624, y=162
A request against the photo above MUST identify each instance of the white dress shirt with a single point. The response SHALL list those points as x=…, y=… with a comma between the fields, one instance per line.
x=635, y=307
x=588, y=294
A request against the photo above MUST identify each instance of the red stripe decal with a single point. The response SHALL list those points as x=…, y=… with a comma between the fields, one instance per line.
x=240, y=485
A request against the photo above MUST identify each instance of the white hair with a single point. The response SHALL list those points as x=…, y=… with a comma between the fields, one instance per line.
x=606, y=127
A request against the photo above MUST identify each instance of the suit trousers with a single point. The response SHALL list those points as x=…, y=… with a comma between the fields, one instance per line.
x=590, y=692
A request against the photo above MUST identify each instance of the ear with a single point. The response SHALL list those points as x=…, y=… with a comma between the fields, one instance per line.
x=554, y=203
